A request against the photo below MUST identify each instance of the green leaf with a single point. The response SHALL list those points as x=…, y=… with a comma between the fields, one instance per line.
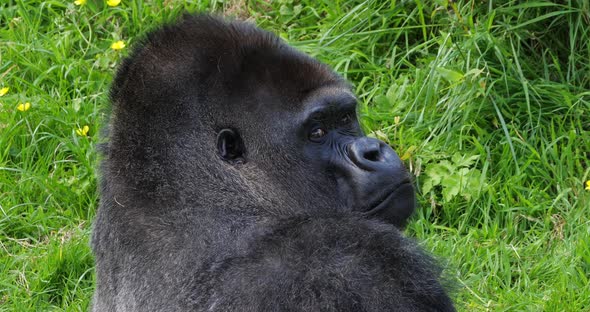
x=451, y=187
x=463, y=172
x=285, y=10
x=297, y=9
x=461, y=160
x=427, y=186
x=435, y=173
x=446, y=167
x=450, y=75
x=381, y=102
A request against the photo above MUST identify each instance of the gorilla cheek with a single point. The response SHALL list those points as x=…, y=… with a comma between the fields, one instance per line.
x=346, y=191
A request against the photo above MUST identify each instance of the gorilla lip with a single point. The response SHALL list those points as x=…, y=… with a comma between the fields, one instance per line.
x=386, y=201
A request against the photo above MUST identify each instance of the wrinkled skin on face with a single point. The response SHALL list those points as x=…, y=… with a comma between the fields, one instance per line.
x=236, y=177
x=369, y=175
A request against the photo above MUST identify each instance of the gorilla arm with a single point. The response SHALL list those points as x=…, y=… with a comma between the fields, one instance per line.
x=327, y=264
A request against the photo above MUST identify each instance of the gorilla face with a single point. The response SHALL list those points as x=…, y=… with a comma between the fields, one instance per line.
x=368, y=173
x=362, y=173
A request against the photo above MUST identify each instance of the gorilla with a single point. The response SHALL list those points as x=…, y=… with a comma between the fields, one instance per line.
x=236, y=177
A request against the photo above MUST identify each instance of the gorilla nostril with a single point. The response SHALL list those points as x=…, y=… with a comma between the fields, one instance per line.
x=373, y=155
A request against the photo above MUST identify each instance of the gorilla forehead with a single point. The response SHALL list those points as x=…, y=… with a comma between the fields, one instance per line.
x=205, y=61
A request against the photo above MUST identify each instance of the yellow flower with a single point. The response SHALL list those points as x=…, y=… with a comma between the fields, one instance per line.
x=118, y=45
x=4, y=91
x=83, y=131
x=23, y=107
x=80, y=2
x=113, y=3
x=588, y=185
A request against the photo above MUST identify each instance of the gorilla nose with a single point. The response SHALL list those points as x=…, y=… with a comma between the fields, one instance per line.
x=373, y=155
x=380, y=182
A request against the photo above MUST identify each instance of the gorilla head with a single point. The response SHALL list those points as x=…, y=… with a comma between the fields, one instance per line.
x=236, y=178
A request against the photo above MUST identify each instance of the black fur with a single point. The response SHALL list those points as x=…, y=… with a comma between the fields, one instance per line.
x=214, y=197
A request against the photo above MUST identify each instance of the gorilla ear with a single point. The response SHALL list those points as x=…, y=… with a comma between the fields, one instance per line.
x=230, y=146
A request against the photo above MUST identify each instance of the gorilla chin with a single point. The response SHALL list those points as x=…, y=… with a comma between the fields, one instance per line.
x=236, y=177
x=396, y=206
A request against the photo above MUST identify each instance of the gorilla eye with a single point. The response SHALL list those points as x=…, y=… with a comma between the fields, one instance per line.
x=317, y=133
x=346, y=119
x=230, y=146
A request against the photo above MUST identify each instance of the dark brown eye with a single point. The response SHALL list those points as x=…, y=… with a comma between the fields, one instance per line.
x=317, y=133
x=346, y=119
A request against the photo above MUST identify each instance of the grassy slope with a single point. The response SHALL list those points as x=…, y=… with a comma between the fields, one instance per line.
x=489, y=104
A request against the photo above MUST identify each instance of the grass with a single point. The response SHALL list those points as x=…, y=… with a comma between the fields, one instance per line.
x=488, y=103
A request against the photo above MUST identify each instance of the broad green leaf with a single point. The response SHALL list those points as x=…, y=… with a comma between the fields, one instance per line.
x=450, y=75
x=451, y=187
x=462, y=161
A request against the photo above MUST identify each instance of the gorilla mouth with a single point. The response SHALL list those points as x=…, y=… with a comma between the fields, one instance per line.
x=395, y=206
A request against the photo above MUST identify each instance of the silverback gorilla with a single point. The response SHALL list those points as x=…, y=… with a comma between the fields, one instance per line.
x=236, y=178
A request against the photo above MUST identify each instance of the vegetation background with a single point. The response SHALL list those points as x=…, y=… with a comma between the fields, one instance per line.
x=488, y=103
